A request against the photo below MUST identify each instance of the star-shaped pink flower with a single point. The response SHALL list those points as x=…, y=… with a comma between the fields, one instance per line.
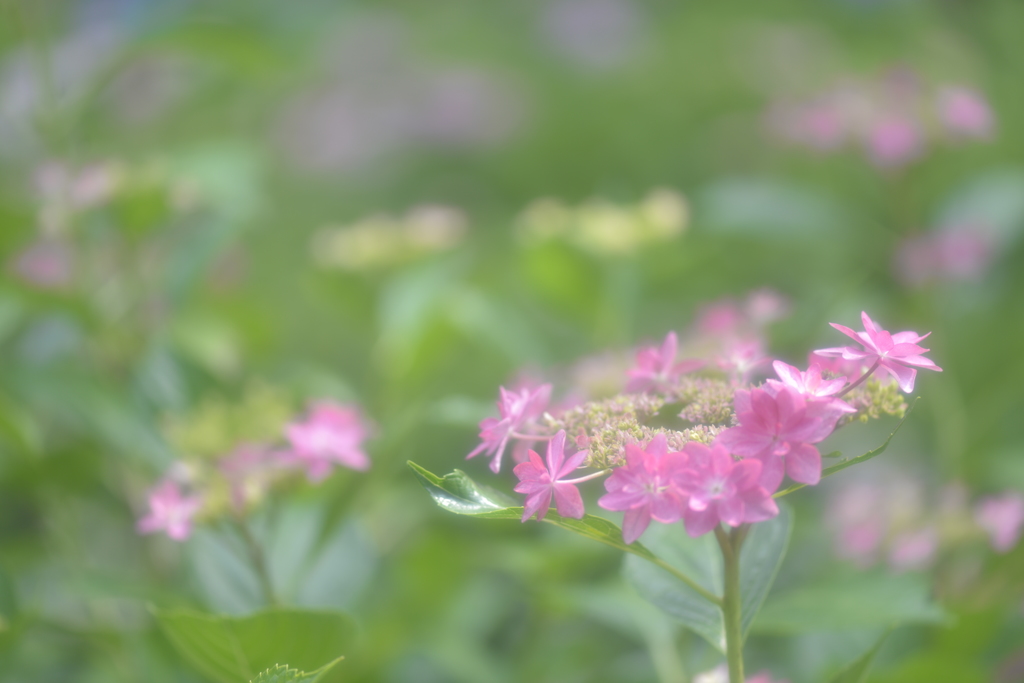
x=779, y=429
x=332, y=434
x=810, y=385
x=540, y=481
x=656, y=367
x=722, y=489
x=516, y=409
x=169, y=511
x=646, y=487
x=1002, y=518
x=898, y=353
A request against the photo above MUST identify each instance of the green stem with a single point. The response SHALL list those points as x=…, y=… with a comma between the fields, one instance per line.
x=863, y=377
x=259, y=562
x=732, y=606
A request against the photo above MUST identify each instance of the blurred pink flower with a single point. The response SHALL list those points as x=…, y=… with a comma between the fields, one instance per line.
x=964, y=112
x=249, y=469
x=517, y=409
x=719, y=319
x=779, y=430
x=836, y=365
x=656, y=367
x=742, y=357
x=896, y=353
x=894, y=141
x=169, y=511
x=914, y=550
x=332, y=434
x=646, y=487
x=722, y=490
x=539, y=481
x=1002, y=517
x=46, y=264
x=952, y=254
x=597, y=34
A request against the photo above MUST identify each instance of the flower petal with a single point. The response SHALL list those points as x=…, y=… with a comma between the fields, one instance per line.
x=803, y=464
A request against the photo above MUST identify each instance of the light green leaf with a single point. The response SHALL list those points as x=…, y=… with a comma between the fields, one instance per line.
x=858, y=670
x=282, y=673
x=843, y=464
x=760, y=558
x=857, y=602
x=457, y=493
x=232, y=649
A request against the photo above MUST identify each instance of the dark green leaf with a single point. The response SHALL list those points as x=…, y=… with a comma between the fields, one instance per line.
x=282, y=673
x=232, y=649
x=700, y=558
x=858, y=670
x=872, y=601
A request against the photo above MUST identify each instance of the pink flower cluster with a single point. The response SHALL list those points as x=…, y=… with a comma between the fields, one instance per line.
x=955, y=254
x=730, y=481
x=893, y=117
x=330, y=434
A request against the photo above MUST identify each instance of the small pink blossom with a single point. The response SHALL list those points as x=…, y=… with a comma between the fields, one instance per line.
x=719, y=319
x=656, y=367
x=951, y=255
x=810, y=385
x=742, y=357
x=332, y=434
x=539, y=481
x=722, y=489
x=46, y=264
x=894, y=141
x=1002, y=517
x=963, y=111
x=893, y=352
x=779, y=429
x=646, y=487
x=913, y=550
x=836, y=365
x=517, y=409
x=169, y=511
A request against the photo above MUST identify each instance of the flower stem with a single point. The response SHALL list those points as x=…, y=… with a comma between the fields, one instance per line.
x=258, y=560
x=588, y=477
x=860, y=379
x=732, y=606
x=531, y=437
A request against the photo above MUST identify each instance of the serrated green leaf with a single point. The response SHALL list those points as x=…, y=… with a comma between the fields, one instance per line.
x=858, y=670
x=233, y=649
x=839, y=466
x=282, y=673
x=760, y=558
x=458, y=493
x=861, y=602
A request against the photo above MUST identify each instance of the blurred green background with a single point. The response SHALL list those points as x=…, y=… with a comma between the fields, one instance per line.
x=327, y=199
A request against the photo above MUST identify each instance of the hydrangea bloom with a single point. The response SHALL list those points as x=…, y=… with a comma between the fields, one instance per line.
x=896, y=353
x=540, y=481
x=516, y=409
x=331, y=434
x=965, y=112
x=655, y=367
x=1002, y=518
x=722, y=489
x=810, y=385
x=169, y=511
x=783, y=425
x=646, y=487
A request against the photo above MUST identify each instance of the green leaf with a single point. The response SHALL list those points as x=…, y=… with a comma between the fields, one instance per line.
x=842, y=465
x=858, y=670
x=760, y=558
x=282, y=673
x=855, y=602
x=457, y=493
x=233, y=649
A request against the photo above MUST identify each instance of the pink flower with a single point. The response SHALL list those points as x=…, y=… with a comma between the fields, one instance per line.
x=764, y=677
x=719, y=319
x=783, y=425
x=657, y=366
x=722, y=489
x=331, y=434
x=893, y=352
x=540, y=482
x=893, y=141
x=953, y=254
x=169, y=511
x=516, y=409
x=742, y=357
x=965, y=112
x=810, y=385
x=646, y=487
x=913, y=550
x=46, y=264
x=1002, y=517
